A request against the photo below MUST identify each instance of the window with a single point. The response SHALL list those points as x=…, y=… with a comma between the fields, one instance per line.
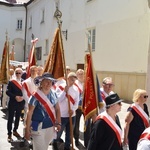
x=30, y=22
x=38, y=53
x=19, y=24
x=42, y=15
x=91, y=38
x=80, y=66
x=46, y=47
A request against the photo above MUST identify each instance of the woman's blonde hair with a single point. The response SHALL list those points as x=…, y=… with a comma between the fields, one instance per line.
x=137, y=94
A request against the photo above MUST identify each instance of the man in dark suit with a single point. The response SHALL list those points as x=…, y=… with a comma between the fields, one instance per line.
x=16, y=103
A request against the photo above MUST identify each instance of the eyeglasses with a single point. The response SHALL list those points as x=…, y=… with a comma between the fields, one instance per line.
x=18, y=72
x=145, y=96
x=109, y=85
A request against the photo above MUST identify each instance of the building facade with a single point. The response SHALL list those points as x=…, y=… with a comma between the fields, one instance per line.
x=118, y=32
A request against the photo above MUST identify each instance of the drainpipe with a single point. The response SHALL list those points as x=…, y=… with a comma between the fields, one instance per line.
x=25, y=5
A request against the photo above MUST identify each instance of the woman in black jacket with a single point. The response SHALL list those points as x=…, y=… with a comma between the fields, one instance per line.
x=106, y=132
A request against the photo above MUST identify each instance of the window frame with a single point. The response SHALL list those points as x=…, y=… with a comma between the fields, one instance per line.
x=30, y=22
x=19, y=24
x=43, y=15
x=92, y=38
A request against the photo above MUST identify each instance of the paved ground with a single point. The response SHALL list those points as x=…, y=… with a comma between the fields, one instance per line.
x=4, y=145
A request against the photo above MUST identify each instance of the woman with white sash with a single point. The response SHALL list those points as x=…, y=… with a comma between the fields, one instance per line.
x=43, y=116
x=106, y=132
x=137, y=119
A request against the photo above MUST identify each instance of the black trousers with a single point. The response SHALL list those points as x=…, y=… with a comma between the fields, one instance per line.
x=76, y=128
x=13, y=111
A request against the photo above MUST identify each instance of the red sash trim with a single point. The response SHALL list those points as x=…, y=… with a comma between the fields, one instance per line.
x=142, y=116
x=71, y=99
x=54, y=87
x=61, y=88
x=27, y=90
x=80, y=91
x=17, y=84
x=111, y=125
x=145, y=136
x=68, y=96
x=103, y=96
x=47, y=108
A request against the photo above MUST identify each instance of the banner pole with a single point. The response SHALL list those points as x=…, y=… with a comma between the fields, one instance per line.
x=58, y=15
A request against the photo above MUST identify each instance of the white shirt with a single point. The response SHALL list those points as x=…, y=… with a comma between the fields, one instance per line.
x=104, y=104
x=31, y=87
x=63, y=100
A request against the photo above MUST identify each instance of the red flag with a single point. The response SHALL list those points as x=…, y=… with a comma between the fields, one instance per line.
x=4, y=72
x=55, y=61
x=32, y=57
x=90, y=103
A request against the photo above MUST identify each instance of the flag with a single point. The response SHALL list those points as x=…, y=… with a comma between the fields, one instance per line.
x=100, y=101
x=32, y=57
x=4, y=71
x=55, y=60
x=12, y=54
x=90, y=103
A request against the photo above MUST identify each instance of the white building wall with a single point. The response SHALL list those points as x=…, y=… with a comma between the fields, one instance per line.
x=122, y=33
x=44, y=30
x=9, y=24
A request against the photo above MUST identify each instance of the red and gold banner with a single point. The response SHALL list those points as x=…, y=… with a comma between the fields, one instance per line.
x=54, y=62
x=90, y=104
x=32, y=57
x=12, y=54
x=4, y=72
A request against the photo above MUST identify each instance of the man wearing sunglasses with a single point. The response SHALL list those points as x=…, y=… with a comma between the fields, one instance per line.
x=16, y=103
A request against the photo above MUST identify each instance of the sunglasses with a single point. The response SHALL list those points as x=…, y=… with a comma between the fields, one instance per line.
x=18, y=72
x=145, y=96
x=109, y=85
x=119, y=103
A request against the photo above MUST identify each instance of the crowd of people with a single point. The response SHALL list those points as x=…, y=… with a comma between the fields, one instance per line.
x=50, y=105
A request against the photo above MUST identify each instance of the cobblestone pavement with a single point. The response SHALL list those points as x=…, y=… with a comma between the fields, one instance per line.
x=4, y=145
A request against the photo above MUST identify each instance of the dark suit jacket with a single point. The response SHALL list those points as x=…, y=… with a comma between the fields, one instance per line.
x=13, y=91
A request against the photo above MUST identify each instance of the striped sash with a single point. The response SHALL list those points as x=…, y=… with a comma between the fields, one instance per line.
x=42, y=98
x=112, y=124
x=141, y=113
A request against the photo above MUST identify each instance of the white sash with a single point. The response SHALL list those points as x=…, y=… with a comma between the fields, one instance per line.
x=108, y=119
x=141, y=113
x=48, y=107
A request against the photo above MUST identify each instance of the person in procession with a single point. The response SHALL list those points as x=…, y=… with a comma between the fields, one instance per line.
x=106, y=131
x=43, y=116
x=40, y=70
x=137, y=119
x=16, y=103
x=105, y=90
x=67, y=92
x=28, y=87
x=144, y=141
x=79, y=83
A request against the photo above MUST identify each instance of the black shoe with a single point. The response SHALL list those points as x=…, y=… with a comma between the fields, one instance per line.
x=54, y=145
x=65, y=148
x=60, y=140
x=30, y=146
x=17, y=135
x=9, y=139
x=77, y=142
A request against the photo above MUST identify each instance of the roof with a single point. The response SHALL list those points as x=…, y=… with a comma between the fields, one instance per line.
x=15, y=1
